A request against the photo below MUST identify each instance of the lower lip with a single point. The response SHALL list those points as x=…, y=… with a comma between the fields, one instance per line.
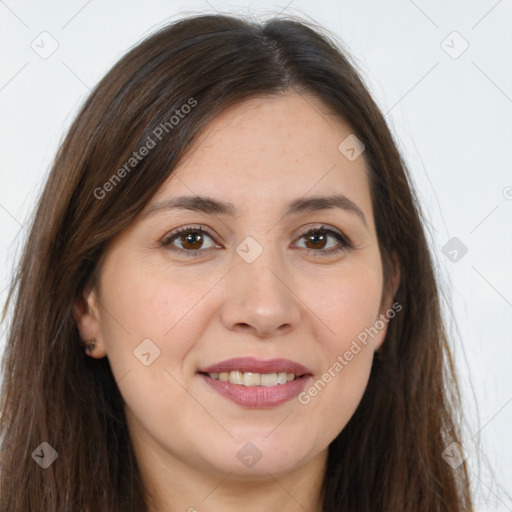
x=258, y=397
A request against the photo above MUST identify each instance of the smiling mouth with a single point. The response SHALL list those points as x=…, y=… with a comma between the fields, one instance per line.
x=256, y=390
x=256, y=383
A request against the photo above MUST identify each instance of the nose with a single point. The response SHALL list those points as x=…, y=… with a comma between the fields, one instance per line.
x=260, y=298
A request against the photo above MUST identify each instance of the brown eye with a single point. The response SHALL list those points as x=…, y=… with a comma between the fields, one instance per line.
x=191, y=240
x=188, y=240
x=317, y=241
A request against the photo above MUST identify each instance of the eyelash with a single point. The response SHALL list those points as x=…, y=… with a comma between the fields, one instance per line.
x=345, y=242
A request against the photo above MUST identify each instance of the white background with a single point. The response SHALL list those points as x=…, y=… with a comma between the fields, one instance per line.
x=450, y=116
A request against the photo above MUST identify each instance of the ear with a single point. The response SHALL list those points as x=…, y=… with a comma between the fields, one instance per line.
x=388, y=308
x=88, y=321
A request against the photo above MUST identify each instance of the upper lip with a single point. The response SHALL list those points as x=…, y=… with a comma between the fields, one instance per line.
x=251, y=364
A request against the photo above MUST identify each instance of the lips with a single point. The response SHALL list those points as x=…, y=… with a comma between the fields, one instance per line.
x=251, y=364
x=265, y=384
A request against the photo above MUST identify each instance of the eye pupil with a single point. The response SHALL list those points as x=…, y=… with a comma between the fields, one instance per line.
x=315, y=237
x=190, y=236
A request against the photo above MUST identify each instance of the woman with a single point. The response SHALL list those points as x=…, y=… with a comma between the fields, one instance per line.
x=226, y=299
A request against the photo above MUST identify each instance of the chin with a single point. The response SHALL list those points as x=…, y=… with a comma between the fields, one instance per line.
x=257, y=456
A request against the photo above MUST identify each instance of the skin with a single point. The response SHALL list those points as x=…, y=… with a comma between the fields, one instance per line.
x=290, y=302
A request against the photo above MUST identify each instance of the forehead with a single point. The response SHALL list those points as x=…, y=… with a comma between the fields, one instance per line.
x=271, y=149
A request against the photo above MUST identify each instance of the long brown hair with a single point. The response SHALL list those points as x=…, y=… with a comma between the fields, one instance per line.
x=389, y=455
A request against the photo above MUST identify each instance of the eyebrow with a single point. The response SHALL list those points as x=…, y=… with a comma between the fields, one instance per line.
x=211, y=206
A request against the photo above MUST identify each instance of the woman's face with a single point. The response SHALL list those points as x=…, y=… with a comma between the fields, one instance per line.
x=254, y=282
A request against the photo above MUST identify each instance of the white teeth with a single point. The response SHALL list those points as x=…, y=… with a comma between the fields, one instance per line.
x=236, y=377
x=282, y=377
x=269, y=379
x=253, y=379
x=272, y=379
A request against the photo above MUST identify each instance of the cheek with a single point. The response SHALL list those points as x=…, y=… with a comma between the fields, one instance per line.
x=348, y=303
x=151, y=321
x=335, y=395
x=147, y=304
x=336, y=391
x=148, y=325
x=348, y=309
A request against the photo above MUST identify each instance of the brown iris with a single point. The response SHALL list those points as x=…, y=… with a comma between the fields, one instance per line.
x=194, y=238
x=315, y=237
